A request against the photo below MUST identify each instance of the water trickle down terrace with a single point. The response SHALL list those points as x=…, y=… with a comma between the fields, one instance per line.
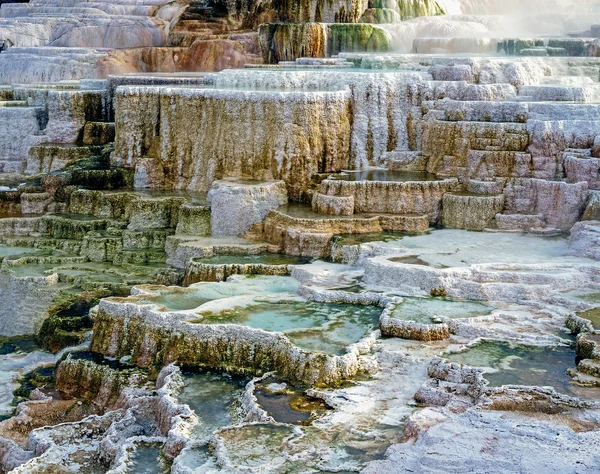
x=157, y=183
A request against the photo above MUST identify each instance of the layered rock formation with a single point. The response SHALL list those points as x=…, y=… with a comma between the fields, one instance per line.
x=322, y=264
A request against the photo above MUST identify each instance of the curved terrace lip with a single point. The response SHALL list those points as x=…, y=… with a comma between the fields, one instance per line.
x=195, y=316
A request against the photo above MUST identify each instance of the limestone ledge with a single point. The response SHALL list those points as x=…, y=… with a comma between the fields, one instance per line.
x=393, y=327
x=333, y=205
x=197, y=271
x=135, y=414
x=239, y=205
x=577, y=324
x=254, y=413
x=462, y=386
x=491, y=282
x=510, y=432
x=584, y=238
x=588, y=345
x=470, y=212
x=25, y=301
x=182, y=249
x=389, y=326
x=290, y=233
x=381, y=102
x=411, y=197
x=156, y=338
x=320, y=122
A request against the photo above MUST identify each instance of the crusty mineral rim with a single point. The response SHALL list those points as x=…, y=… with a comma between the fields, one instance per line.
x=157, y=338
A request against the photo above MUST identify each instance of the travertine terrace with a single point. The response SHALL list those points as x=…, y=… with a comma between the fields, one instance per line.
x=300, y=236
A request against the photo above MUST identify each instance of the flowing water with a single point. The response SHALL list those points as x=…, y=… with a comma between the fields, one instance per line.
x=17, y=357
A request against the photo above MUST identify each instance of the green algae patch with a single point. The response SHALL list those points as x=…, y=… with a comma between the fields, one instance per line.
x=289, y=41
x=347, y=37
x=69, y=322
x=41, y=378
x=415, y=8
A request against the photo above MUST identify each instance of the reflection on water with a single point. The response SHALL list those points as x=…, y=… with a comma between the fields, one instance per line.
x=507, y=364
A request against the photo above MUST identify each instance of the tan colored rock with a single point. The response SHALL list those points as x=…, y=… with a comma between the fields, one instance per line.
x=470, y=212
x=286, y=135
x=411, y=197
x=333, y=205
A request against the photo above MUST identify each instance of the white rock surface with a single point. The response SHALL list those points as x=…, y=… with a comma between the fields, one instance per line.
x=500, y=442
x=237, y=206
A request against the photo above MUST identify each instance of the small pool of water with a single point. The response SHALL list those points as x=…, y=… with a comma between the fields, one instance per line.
x=288, y=404
x=214, y=398
x=182, y=299
x=383, y=175
x=194, y=457
x=175, y=300
x=507, y=364
x=91, y=275
x=266, y=259
x=4, y=251
x=425, y=310
x=314, y=326
x=279, y=448
x=357, y=239
x=147, y=459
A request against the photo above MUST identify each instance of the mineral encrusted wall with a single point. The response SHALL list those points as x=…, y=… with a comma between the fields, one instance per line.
x=129, y=329
x=423, y=197
x=198, y=135
x=288, y=41
x=20, y=313
x=381, y=103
